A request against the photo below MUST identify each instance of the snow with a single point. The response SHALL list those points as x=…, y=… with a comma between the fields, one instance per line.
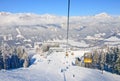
x=118, y=34
x=45, y=26
x=98, y=36
x=102, y=15
x=70, y=42
x=113, y=38
x=79, y=44
x=56, y=67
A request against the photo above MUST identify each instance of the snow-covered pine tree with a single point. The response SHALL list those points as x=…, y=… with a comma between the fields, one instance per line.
x=25, y=59
x=15, y=61
x=102, y=60
x=45, y=48
x=95, y=59
x=19, y=51
x=6, y=56
x=7, y=62
x=117, y=66
x=1, y=60
x=26, y=63
x=117, y=62
x=111, y=58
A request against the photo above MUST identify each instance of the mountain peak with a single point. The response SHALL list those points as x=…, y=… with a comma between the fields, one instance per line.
x=5, y=13
x=103, y=15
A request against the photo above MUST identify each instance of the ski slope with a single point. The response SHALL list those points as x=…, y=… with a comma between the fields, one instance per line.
x=56, y=67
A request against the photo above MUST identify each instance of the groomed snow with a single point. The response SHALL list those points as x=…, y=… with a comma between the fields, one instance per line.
x=56, y=68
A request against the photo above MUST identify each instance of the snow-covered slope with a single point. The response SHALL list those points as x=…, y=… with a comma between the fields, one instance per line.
x=56, y=68
x=80, y=26
x=113, y=38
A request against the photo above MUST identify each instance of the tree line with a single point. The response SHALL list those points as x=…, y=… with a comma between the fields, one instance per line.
x=107, y=59
x=13, y=57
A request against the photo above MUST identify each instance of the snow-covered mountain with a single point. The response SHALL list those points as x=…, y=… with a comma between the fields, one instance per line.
x=48, y=26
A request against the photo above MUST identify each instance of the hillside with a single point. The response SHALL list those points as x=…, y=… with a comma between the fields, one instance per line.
x=56, y=68
x=31, y=25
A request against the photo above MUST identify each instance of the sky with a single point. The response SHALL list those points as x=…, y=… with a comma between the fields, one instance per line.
x=59, y=7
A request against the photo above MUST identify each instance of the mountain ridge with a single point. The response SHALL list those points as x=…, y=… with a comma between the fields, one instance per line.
x=54, y=26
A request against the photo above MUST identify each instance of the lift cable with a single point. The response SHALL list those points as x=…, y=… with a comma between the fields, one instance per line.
x=68, y=25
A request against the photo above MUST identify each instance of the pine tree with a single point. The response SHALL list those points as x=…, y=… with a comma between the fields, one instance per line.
x=25, y=64
x=13, y=58
x=111, y=58
x=95, y=59
x=19, y=51
x=45, y=48
x=101, y=61
x=117, y=63
x=1, y=60
x=25, y=59
x=117, y=66
x=7, y=62
x=14, y=61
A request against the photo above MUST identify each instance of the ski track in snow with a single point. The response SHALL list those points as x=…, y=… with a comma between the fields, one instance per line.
x=50, y=70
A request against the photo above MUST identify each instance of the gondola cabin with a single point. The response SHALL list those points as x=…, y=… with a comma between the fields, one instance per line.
x=88, y=59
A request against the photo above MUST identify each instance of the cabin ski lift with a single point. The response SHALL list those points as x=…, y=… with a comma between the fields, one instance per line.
x=88, y=59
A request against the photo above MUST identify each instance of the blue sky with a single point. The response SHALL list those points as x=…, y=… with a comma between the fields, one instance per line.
x=59, y=7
